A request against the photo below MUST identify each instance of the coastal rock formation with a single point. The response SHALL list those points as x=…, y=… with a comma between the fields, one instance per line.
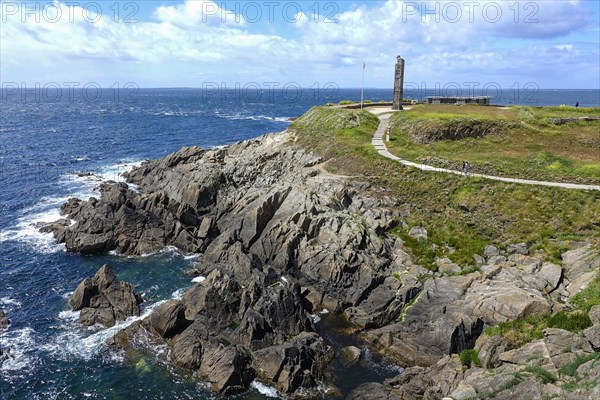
x=540, y=369
x=229, y=333
x=281, y=238
x=104, y=300
x=4, y=323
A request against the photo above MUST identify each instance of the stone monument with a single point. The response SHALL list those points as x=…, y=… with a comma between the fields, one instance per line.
x=398, y=84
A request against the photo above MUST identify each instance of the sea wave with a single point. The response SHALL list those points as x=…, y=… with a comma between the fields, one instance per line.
x=241, y=117
x=7, y=302
x=22, y=346
x=47, y=209
x=76, y=343
x=264, y=389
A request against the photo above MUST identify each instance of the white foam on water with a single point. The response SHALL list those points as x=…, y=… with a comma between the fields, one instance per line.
x=191, y=256
x=7, y=301
x=21, y=343
x=199, y=279
x=324, y=311
x=315, y=318
x=368, y=356
x=240, y=117
x=69, y=315
x=47, y=209
x=75, y=342
x=264, y=389
x=169, y=250
x=178, y=294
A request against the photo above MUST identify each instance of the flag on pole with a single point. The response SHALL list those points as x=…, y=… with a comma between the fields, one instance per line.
x=364, y=65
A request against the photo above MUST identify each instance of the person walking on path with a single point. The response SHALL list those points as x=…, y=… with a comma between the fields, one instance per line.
x=464, y=168
x=467, y=167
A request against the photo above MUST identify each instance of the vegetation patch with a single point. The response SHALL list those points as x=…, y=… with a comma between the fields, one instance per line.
x=588, y=297
x=520, y=142
x=520, y=332
x=543, y=374
x=462, y=215
x=469, y=357
x=571, y=368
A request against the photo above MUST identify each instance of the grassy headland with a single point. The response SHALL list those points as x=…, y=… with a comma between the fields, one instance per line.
x=522, y=142
x=461, y=214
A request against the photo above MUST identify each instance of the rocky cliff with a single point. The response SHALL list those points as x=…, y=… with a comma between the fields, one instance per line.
x=281, y=238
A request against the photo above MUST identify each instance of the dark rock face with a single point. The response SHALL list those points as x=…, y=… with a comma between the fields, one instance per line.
x=4, y=321
x=280, y=238
x=104, y=300
x=296, y=363
x=231, y=333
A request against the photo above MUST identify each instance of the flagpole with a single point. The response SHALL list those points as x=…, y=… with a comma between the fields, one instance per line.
x=362, y=91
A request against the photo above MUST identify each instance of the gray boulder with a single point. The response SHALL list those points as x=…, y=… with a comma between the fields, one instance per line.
x=350, y=355
x=298, y=363
x=372, y=391
x=4, y=321
x=594, y=315
x=169, y=319
x=227, y=369
x=104, y=300
x=491, y=251
x=417, y=232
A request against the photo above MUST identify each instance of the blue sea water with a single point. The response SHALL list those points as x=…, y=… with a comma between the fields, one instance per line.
x=46, y=142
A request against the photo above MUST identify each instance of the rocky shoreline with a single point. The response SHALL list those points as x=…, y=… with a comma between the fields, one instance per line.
x=4, y=323
x=282, y=239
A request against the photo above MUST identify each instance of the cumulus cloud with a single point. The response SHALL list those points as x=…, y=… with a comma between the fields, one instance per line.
x=201, y=38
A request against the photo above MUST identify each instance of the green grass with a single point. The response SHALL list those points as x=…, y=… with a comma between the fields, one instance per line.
x=421, y=250
x=571, y=368
x=461, y=215
x=520, y=332
x=588, y=297
x=519, y=142
x=543, y=374
x=469, y=357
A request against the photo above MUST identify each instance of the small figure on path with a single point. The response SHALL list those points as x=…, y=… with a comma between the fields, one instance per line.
x=577, y=104
x=464, y=168
x=467, y=167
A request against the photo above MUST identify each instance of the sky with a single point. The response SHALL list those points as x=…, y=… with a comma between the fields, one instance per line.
x=272, y=43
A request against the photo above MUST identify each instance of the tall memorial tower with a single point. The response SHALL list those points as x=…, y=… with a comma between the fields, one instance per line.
x=398, y=84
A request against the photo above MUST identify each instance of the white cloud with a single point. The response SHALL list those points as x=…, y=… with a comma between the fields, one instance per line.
x=199, y=38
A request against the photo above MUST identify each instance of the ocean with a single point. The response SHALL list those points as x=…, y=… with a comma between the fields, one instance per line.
x=55, y=145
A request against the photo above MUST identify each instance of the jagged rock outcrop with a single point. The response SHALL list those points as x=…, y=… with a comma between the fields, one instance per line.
x=4, y=323
x=281, y=238
x=229, y=333
x=104, y=300
x=450, y=312
x=556, y=365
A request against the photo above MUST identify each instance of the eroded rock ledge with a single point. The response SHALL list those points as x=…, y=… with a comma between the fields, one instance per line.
x=104, y=300
x=282, y=239
x=4, y=323
x=561, y=365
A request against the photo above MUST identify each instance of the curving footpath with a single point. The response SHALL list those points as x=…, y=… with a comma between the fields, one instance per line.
x=379, y=144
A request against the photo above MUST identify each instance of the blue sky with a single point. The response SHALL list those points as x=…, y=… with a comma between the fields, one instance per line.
x=477, y=43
